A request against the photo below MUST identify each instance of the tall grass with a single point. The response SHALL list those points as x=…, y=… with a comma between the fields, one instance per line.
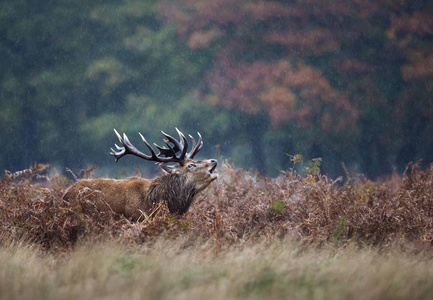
x=179, y=269
x=247, y=236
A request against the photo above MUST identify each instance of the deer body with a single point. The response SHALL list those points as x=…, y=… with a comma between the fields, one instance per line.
x=121, y=196
x=133, y=196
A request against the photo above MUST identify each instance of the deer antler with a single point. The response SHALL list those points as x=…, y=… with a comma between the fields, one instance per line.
x=169, y=152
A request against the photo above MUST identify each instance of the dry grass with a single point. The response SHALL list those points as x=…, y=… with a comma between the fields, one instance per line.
x=177, y=269
x=247, y=236
x=241, y=206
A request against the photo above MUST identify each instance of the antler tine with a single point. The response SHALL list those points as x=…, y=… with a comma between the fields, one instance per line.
x=181, y=140
x=121, y=150
x=154, y=156
x=127, y=148
x=117, y=154
x=185, y=144
x=193, y=142
x=162, y=151
x=177, y=146
x=195, y=147
x=167, y=152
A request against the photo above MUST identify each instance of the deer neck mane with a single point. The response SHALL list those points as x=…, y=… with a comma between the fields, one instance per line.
x=175, y=189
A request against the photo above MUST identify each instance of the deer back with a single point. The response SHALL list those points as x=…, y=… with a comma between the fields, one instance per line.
x=125, y=196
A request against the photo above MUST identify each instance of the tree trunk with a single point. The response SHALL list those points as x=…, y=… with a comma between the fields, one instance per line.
x=28, y=132
x=255, y=127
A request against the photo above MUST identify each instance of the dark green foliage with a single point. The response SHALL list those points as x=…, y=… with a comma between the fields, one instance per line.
x=343, y=82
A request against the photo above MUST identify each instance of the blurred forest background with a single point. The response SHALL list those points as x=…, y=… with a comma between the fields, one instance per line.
x=347, y=81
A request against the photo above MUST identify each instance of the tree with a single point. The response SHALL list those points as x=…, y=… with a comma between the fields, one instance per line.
x=43, y=49
x=346, y=81
x=410, y=33
x=333, y=69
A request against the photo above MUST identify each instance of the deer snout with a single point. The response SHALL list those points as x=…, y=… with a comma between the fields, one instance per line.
x=214, y=164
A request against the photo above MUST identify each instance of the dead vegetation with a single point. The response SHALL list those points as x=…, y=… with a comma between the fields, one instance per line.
x=177, y=269
x=241, y=206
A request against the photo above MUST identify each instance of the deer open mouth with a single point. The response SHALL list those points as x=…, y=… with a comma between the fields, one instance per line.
x=212, y=169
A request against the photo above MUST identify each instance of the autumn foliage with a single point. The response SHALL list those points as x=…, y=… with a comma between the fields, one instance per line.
x=261, y=51
x=242, y=206
x=334, y=68
x=343, y=80
x=287, y=58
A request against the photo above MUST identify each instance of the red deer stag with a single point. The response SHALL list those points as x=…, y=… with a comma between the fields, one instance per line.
x=134, y=196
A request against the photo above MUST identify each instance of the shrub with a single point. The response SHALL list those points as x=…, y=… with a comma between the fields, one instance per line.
x=241, y=206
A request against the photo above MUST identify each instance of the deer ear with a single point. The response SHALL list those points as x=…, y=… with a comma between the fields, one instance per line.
x=169, y=169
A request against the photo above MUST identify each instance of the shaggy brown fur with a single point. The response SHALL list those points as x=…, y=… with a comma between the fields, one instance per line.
x=134, y=195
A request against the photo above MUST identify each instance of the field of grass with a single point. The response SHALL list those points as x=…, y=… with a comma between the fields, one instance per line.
x=181, y=269
x=247, y=236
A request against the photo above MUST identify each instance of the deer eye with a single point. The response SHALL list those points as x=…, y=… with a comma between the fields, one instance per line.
x=190, y=166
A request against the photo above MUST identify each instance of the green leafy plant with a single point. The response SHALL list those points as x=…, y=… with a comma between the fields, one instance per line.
x=295, y=159
x=340, y=230
x=313, y=168
x=277, y=206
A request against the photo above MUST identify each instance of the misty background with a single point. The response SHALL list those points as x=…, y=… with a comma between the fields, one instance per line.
x=347, y=81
